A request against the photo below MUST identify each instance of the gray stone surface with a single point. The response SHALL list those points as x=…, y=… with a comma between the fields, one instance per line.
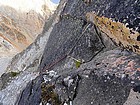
x=31, y=95
x=12, y=91
x=71, y=37
x=100, y=90
x=124, y=11
x=133, y=99
x=95, y=83
x=107, y=74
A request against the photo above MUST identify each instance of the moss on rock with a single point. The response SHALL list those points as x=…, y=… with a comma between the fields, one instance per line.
x=49, y=95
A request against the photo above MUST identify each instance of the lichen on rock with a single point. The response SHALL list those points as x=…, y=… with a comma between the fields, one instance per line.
x=117, y=31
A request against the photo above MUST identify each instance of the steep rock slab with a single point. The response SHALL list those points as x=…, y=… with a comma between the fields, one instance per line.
x=118, y=19
x=72, y=37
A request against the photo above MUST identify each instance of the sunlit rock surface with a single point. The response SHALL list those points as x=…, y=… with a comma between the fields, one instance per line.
x=104, y=37
x=21, y=21
x=24, y=69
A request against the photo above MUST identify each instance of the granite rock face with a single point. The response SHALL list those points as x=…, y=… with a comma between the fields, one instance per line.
x=92, y=35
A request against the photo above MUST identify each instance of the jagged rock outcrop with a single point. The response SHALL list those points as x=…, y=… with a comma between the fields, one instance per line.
x=93, y=35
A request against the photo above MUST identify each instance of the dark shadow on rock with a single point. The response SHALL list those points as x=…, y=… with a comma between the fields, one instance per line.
x=31, y=95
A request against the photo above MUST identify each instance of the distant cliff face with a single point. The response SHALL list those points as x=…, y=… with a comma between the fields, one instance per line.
x=20, y=23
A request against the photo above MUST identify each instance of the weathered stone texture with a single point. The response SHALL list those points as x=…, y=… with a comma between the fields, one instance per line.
x=107, y=74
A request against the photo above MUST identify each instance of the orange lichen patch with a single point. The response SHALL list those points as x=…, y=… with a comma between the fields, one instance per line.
x=130, y=65
x=117, y=31
x=138, y=69
x=119, y=61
